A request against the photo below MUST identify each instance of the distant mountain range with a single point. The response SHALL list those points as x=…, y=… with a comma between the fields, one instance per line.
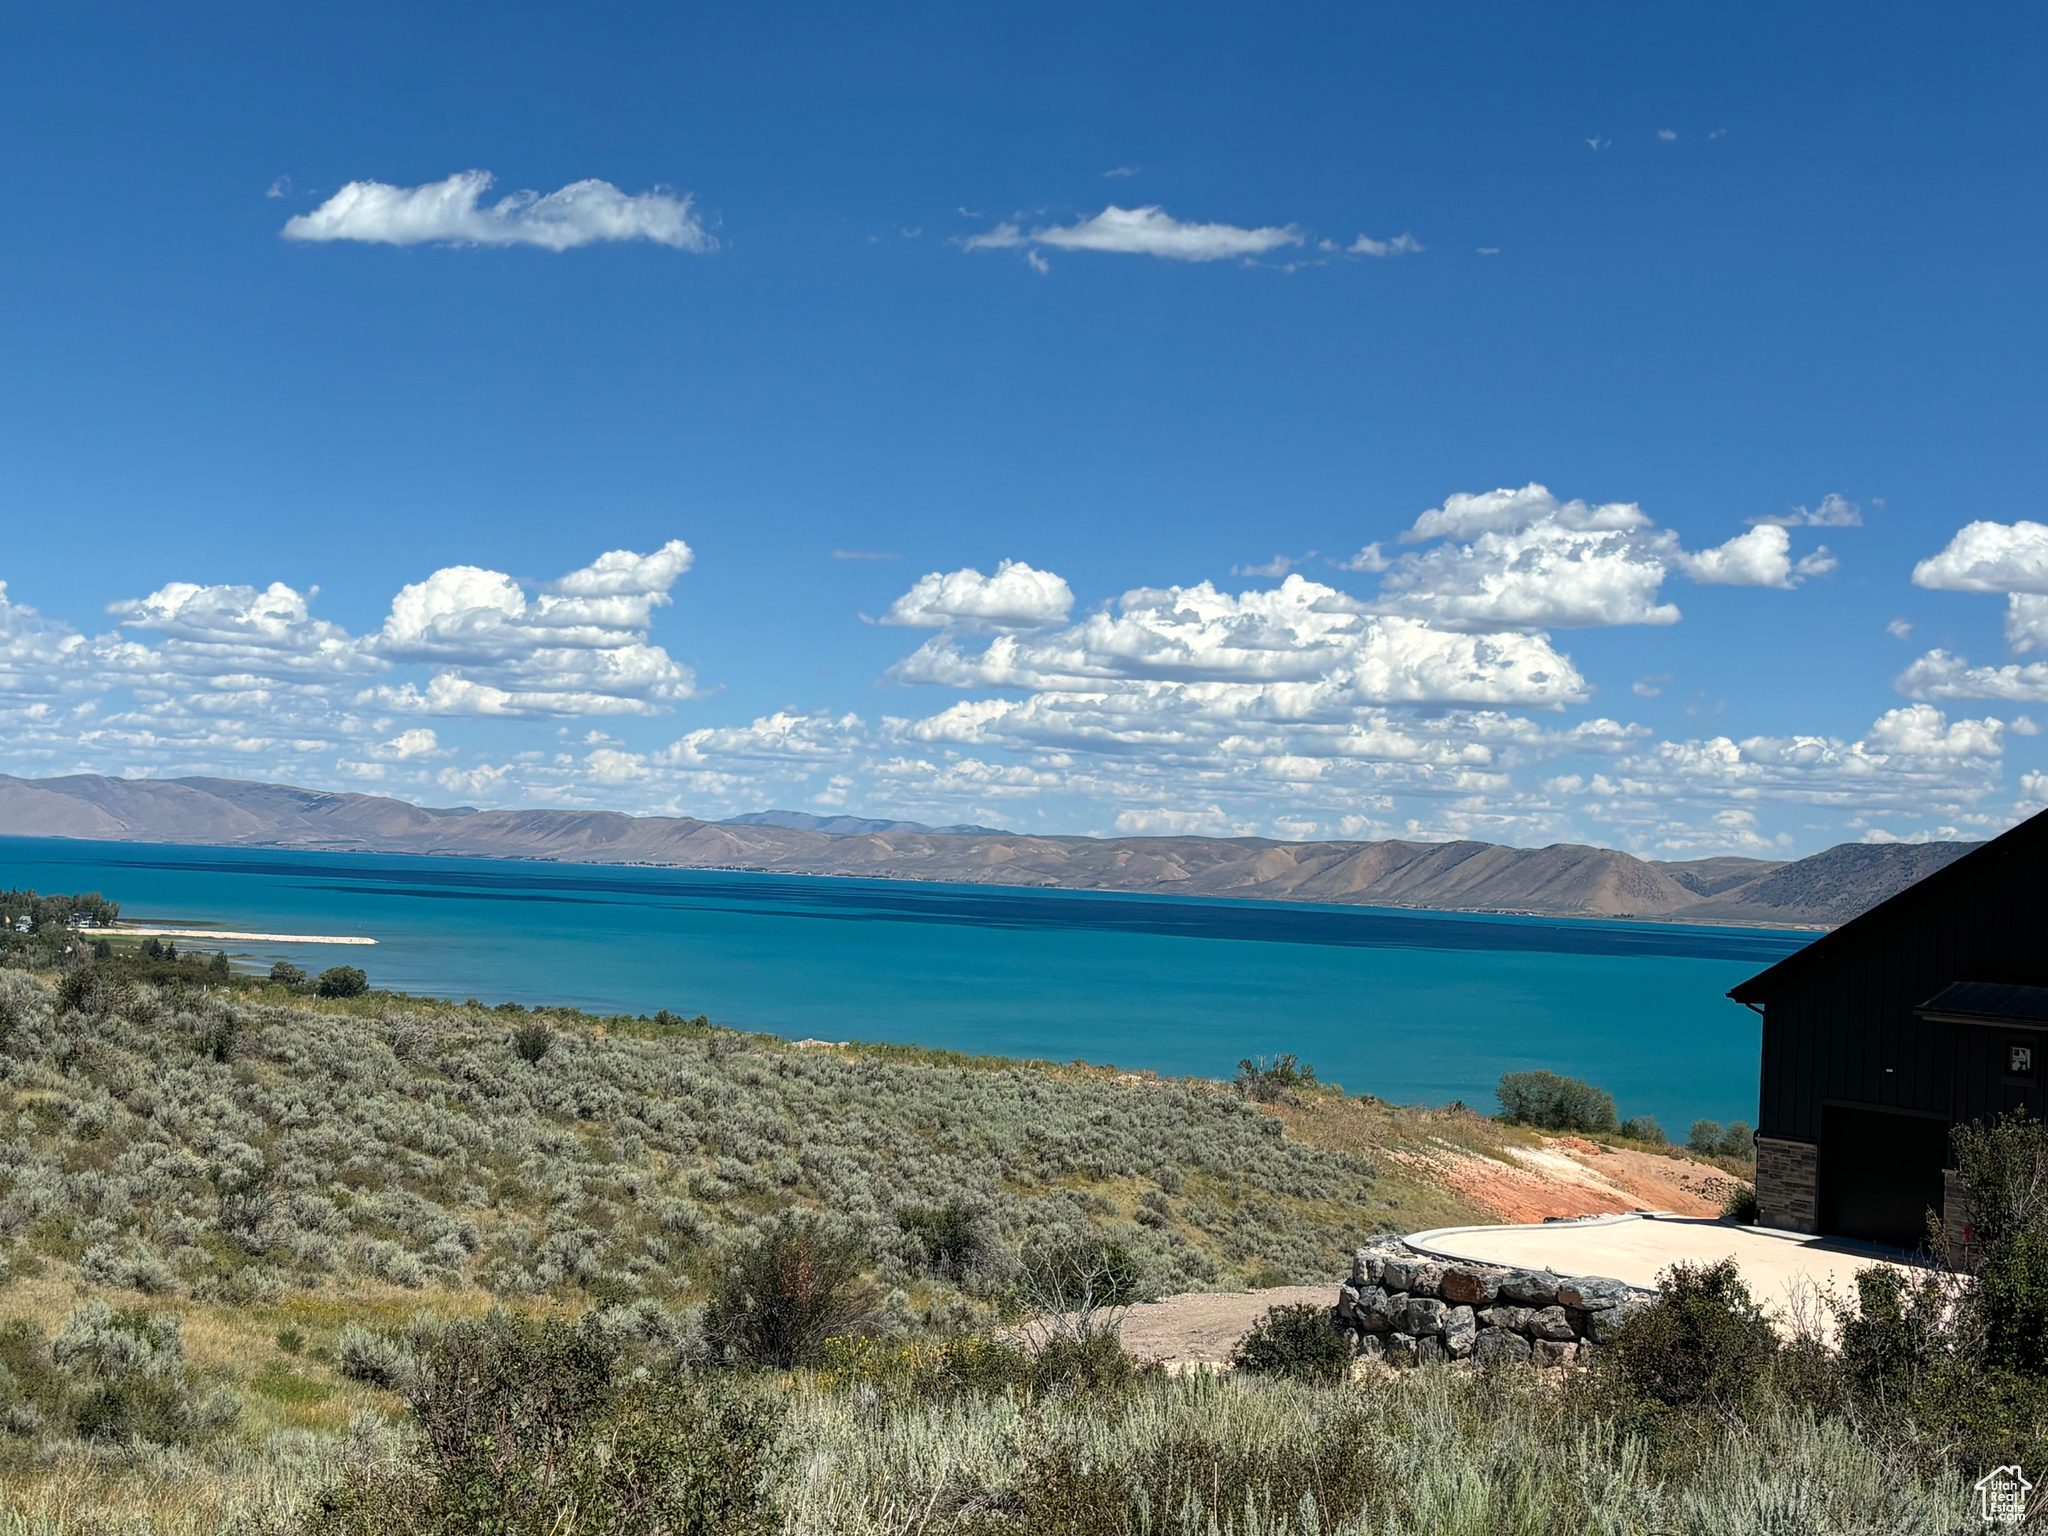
x=850, y=826
x=1563, y=880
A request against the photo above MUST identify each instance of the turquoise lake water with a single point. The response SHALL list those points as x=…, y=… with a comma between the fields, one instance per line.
x=1414, y=1007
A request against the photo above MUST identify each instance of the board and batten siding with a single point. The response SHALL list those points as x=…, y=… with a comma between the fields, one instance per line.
x=1841, y=1011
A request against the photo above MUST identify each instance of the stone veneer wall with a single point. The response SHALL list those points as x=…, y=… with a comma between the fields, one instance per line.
x=1405, y=1308
x=1787, y=1184
x=1963, y=1251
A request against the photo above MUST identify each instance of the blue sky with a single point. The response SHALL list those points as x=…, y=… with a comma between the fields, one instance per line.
x=886, y=284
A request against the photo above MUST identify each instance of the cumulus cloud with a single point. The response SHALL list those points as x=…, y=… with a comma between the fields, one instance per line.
x=1761, y=557
x=1913, y=757
x=1520, y=558
x=37, y=657
x=1941, y=675
x=1989, y=557
x=212, y=629
x=1329, y=653
x=1143, y=232
x=1833, y=512
x=1016, y=597
x=1400, y=245
x=579, y=647
x=451, y=212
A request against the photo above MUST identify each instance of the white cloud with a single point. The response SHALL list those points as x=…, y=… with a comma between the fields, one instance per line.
x=406, y=745
x=1667, y=134
x=1913, y=757
x=1833, y=512
x=1899, y=629
x=1143, y=232
x=1466, y=515
x=1314, y=650
x=1532, y=561
x=1546, y=573
x=1990, y=557
x=1279, y=565
x=216, y=629
x=1759, y=558
x=578, y=648
x=784, y=737
x=450, y=213
x=2026, y=620
x=1941, y=675
x=1016, y=597
x=1367, y=559
x=1400, y=245
x=36, y=656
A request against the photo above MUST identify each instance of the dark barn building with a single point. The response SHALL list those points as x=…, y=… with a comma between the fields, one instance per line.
x=1928, y=1011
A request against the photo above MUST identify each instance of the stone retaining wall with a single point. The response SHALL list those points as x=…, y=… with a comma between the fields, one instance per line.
x=1403, y=1307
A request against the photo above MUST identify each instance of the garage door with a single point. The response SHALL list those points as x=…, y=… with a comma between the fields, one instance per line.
x=1880, y=1174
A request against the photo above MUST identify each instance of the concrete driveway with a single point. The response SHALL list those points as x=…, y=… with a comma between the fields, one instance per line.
x=1785, y=1271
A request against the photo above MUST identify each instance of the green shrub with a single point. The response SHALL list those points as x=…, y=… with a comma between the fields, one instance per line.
x=953, y=1241
x=1087, y=1360
x=1896, y=1332
x=2012, y=1302
x=1740, y=1206
x=374, y=1358
x=127, y=1380
x=1269, y=1082
x=1737, y=1141
x=341, y=981
x=533, y=1041
x=1705, y=1138
x=1083, y=1277
x=530, y=1428
x=1299, y=1341
x=287, y=974
x=1703, y=1342
x=1553, y=1103
x=1643, y=1128
x=779, y=1301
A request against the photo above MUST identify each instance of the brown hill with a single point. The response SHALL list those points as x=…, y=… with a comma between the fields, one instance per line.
x=1564, y=879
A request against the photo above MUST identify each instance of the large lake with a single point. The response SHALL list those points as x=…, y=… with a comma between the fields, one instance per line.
x=1410, y=1006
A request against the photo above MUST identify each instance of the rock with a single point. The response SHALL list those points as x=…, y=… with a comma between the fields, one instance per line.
x=1469, y=1287
x=1510, y=1319
x=1347, y=1303
x=1592, y=1295
x=1579, y=1319
x=1365, y=1267
x=1549, y=1352
x=1498, y=1344
x=1377, y=1311
x=1461, y=1327
x=1550, y=1323
x=1400, y=1349
x=1605, y=1324
x=1424, y=1317
x=1399, y=1274
x=1529, y=1288
x=1370, y=1347
x=1427, y=1350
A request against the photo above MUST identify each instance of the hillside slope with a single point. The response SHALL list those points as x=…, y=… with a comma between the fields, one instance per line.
x=1565, y=880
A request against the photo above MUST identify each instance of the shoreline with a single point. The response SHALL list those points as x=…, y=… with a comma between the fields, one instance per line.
x=139, y=931
x=1208, y=898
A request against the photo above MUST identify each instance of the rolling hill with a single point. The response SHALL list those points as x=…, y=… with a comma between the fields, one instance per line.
x=1564, y=879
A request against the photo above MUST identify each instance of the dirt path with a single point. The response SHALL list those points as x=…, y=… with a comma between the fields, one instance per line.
x=1561, y=1176
x=1204, y=1326
x=1570, y=1177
